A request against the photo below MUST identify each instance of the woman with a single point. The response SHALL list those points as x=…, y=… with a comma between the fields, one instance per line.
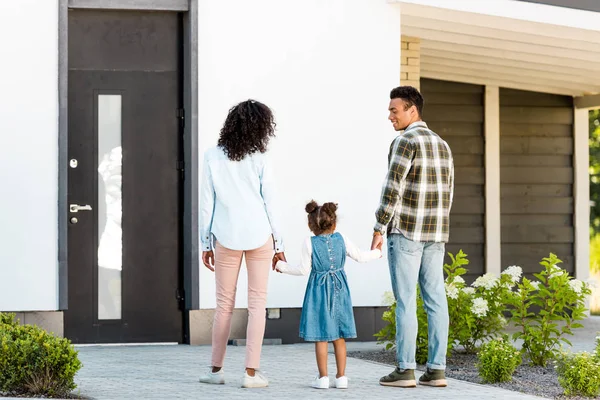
x=238, y=218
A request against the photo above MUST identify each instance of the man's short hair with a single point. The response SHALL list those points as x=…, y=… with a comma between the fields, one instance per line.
x=409, y=94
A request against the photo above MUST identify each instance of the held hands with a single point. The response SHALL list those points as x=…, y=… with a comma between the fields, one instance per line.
x=377, y=242
x=208, y=258
x=278, y=257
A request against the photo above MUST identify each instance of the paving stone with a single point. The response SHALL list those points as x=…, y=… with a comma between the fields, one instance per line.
x=171, y=372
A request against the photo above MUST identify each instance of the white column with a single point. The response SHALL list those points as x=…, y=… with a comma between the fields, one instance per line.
x=492, y=181
x=582, y=194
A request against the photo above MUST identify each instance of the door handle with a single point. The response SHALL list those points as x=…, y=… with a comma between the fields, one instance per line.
x=76, y=208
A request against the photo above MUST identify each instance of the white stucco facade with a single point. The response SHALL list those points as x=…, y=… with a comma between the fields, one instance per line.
x=326, y=69
x=323, y=84
x=29, y=155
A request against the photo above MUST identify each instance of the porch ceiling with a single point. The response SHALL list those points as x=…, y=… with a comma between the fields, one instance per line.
x=507, y=52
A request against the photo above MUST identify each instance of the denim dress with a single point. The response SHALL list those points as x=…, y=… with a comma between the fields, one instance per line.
x=327, y=310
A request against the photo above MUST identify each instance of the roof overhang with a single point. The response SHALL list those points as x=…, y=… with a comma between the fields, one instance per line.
x=507, y=43
x=591, y=101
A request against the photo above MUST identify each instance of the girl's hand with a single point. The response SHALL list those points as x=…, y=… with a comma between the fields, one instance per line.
x=208, y=258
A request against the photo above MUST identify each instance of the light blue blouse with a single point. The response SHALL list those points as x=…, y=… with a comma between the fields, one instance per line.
x=237, y=202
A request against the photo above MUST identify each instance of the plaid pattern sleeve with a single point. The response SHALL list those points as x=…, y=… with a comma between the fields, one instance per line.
x=451, y=179
x=419, y=188
x=399, y=162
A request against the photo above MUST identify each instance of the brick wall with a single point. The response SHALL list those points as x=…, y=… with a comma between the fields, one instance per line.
x=410, y=66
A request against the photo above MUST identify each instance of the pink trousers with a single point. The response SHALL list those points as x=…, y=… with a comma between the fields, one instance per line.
x=227, y=270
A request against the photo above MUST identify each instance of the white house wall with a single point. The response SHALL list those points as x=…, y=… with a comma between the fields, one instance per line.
x=326, y=69
x=29, y=154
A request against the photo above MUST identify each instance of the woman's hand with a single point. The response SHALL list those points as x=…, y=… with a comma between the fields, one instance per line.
x=276, y=258
x=208, y=258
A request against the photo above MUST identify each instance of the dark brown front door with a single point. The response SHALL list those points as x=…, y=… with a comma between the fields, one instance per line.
x=124, y=184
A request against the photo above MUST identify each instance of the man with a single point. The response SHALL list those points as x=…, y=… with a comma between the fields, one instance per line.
x=414, y=209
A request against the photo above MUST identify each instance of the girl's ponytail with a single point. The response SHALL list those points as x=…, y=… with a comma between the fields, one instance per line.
x=321, y=218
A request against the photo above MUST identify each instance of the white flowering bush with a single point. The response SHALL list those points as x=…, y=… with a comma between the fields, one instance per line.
x=579, y=373
x=497, y=360
x=387, y=335
x=547, y=310
x=477, y=311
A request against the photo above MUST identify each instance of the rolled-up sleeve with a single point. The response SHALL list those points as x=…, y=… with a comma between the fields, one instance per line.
x=270, y=198
x=207, y=206
x=400, y=161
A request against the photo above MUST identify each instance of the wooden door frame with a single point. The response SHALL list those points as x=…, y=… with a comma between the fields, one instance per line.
x=189, y=9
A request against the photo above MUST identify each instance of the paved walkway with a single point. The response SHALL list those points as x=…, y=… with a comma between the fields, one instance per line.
x=171, y=372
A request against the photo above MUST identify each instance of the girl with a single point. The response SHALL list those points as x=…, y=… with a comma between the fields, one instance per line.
x=327, y=311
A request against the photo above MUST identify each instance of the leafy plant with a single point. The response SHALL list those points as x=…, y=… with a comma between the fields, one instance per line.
x=595, y=253
x=34, y=362
x=561, y=301
x=387, y=335
x=8, y=319
x=476, y=312
x=498, y=360
x=422, y=332
x=579, y=373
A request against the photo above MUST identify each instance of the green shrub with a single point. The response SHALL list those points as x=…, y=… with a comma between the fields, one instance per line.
x=579, y=374
x=387, y=335
x=498, y=360
x=7, y=319
x=559, y=298
x=34, y=362
x=423, y=332
x=595, y=246
x=475, y=313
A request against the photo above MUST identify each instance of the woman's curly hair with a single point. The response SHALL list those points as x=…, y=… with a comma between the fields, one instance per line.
x=248, y=128
x=321, y=218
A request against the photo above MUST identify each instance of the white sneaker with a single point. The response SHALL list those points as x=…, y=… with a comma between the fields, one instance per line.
x=341, y=382
x=320, y=383
x=215, y=378
x=256, y=381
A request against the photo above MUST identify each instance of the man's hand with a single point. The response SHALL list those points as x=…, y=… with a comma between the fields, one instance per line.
x=377, y=242
x=208, y=258
x=278, y=257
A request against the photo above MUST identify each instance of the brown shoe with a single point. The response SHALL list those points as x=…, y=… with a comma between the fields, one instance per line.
x=400, y=378
x=433, y=377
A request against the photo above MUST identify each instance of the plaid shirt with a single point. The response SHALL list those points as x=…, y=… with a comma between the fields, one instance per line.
x=419, y=187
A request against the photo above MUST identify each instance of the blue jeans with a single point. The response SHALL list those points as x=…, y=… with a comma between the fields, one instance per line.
x=423, y=263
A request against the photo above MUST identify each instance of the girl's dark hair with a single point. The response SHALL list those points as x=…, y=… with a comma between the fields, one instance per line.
x=247, y=130
x=321, y=218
